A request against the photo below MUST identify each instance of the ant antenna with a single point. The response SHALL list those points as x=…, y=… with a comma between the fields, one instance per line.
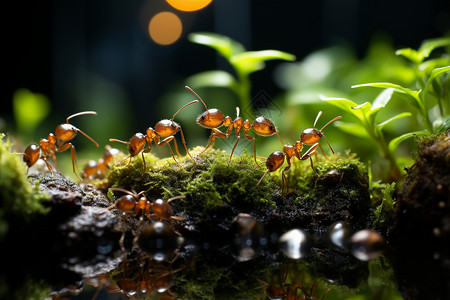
x=197, y=96
x=80, y=114
x=337, y=118
x=317, y=118
x=192, y=102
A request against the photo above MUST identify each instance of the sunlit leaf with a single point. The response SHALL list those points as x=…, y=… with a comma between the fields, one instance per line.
x=216, y=78
x=429, y=45
x=346, y=105
x=410, y=54
x=399, y=116
x=251, y=61
x=429, y=65
x=414, y=94
x=435, y=73
x=380, y=102
x=352, y=128
x=383, y=98
x=441, y=124
x=222, y=44
x=29, y=109
x=394, y=143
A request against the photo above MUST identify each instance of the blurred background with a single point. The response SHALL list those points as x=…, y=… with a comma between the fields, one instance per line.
x=130, y=60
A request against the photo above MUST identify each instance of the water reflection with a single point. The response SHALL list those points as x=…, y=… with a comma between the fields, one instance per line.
x=250, y=263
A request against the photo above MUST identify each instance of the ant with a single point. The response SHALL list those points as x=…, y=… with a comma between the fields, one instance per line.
x=276, y=159
x=57, y=142
x=165, y=129
x=214, y=118
x=96, y=169
x=311, y=136
x=140, y=204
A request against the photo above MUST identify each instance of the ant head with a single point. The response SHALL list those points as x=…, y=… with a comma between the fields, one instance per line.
x=264, y=126
x=274, y=161
x=211, y=118
x=31, y=155
x=136, y=144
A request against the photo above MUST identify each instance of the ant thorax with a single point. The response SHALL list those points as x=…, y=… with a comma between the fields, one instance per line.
x=166, y=128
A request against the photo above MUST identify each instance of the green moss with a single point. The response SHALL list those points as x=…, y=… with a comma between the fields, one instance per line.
x=207, y=180
x=19, y=199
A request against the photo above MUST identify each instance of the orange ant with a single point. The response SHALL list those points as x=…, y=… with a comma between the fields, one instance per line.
x=57, y=142
x=276, y=160
x=165, y=129
x=311, y=136
x=96, y=169
x=140, y=204
x=214, y=118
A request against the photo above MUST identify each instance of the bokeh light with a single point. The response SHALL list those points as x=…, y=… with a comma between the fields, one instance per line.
x=189, y=5
x=165, y=28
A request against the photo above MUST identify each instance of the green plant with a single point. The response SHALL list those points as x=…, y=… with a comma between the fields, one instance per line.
x=243, y=62
x=430, y=76
x=433, y=80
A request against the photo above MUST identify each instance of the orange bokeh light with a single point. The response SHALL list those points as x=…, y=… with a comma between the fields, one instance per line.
x=189, y=5
x=165, y=28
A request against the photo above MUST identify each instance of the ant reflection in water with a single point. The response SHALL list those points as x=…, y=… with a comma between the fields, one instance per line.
x=292, y=290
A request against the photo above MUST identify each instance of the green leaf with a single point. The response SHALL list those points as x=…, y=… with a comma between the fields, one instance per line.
x=226, y=46
x=429, y=45
x=346, y=105
x=352, y=128
x=399, y=116
x=410, y=54
x=394, y=143
x=215, y=78
x=441, y=124
x=29, y=109
x=435, y=73
x=424, y=51
x=414, y=94
x=380, y=102
x=251, y=61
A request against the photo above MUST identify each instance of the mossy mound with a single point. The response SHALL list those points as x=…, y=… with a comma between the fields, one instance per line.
x=421, y=233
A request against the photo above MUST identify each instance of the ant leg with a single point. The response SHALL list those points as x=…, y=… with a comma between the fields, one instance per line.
x=232, y=151
x=283, y=176
x=48, y=165
x=176, y=147
x=184, y=143
x=251, y=138
x=262, y=177
x=166, y=141
x=323, y=152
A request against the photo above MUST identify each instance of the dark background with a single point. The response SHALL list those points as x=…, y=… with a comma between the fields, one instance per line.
x=64, y=48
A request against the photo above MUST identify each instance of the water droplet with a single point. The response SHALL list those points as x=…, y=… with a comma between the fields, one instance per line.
x=295, y=243
x=339, y=233
x=367, y=244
